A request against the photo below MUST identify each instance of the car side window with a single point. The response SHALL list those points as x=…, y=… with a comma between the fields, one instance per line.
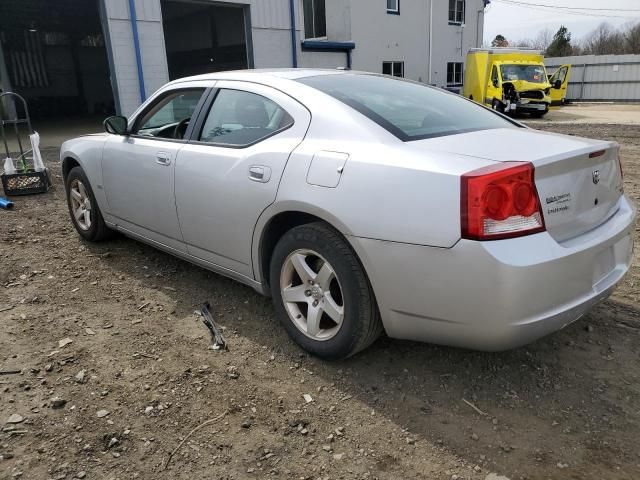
x=169, y=116
x=240, y=118
x=494, y=76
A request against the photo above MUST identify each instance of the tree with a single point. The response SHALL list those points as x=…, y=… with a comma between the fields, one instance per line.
x=543, y=39
x=499, y=41
x=604, y=40
x=524, y=43
x=540, y=42
x=632, y=38
x=560, y=46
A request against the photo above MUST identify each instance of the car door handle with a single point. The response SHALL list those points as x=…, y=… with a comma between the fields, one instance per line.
x=163, y=158
x=259, y=173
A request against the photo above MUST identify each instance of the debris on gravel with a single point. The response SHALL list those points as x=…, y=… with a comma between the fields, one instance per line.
x=15, y=418
x=57, y=402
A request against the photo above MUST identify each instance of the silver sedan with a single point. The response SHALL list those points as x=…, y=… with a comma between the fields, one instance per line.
x=363, y=203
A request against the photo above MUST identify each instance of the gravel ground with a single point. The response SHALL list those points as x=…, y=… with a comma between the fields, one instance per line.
x=115, y=373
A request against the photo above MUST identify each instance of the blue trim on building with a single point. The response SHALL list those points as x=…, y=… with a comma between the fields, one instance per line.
x=328, y=46
x=294, y=49
x=136, y=47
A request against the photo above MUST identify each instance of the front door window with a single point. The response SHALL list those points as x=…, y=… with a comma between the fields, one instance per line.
x=169, y=116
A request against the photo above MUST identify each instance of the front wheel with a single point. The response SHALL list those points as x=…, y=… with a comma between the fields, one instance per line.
x=497, y=105
x=321, y=293
x=83, y=208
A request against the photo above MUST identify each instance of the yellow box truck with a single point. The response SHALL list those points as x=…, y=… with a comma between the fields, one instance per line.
x=513, y=80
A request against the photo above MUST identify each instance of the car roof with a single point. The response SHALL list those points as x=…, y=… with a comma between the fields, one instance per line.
x=262, y=74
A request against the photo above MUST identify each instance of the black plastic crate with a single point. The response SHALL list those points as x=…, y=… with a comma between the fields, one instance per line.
x=25, y=183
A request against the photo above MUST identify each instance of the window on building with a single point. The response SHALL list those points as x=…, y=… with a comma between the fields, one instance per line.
x=393, y=6
x=315, y=19
x=456, y=12
x=454, y=73
x=395, y=69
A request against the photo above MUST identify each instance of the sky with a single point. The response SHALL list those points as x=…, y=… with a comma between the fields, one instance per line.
x=517, y=22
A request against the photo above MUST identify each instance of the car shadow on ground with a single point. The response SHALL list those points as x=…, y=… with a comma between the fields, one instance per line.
x=568, y=399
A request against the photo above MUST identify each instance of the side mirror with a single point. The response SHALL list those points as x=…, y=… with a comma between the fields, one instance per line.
x=116, y=125
x=557, y=84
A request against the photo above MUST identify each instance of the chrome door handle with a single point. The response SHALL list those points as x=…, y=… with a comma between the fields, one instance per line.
x=163, y=158
x=259, y=173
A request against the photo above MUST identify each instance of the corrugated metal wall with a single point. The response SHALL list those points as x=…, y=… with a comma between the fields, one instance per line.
x=271, y=14
x=601, y=77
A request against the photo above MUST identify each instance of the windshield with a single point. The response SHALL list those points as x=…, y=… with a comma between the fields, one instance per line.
x=530, y=73
x=409, y=110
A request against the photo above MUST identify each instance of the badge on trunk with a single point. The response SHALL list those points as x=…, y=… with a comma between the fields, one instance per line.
x=596, y=177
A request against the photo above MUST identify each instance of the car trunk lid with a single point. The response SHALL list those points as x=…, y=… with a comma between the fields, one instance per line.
x=579, y=180
x=578, y=192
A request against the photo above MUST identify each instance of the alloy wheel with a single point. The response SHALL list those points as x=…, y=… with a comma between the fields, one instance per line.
x=312, y=294
x=80, y=204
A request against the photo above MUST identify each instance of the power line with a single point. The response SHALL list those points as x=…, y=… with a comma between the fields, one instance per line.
x=546, y=8
x=574, y=8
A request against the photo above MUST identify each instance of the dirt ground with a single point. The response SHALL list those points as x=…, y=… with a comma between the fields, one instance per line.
x=138, y=376
x=593, y=113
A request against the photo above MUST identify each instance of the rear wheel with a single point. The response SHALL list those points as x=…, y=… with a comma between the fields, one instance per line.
x=83, y=208
x=321, y=293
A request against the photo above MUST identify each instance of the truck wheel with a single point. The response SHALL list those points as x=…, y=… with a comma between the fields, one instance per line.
x=539, y=114
x=497, y=105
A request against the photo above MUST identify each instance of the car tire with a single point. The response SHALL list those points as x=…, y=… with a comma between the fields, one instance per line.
x=83, y=208
x=539, y=114
x=323, y=249
x=497, y=105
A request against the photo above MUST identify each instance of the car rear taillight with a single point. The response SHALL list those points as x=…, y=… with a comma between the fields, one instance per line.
x=500, y=201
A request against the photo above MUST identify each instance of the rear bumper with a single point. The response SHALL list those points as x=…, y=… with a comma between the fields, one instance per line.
x=496, y=295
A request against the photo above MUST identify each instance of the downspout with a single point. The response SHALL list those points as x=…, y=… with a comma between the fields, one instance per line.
x=136, y=47
x=430, y=37
x=480, y=12
x=294, y=49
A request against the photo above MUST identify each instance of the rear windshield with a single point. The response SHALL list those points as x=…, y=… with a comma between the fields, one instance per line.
x=409, y=110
